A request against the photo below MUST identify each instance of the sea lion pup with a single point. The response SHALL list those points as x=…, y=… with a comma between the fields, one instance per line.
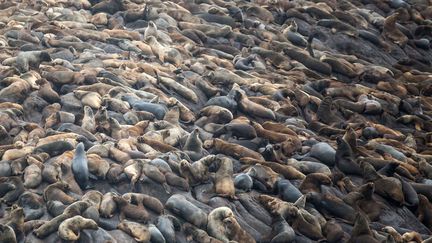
x=71, y=227
x=252, y=108
x=313, y=181
x=387, y=187
x=215, y=225
x=295, y=214
x=31, y=59
x=140, y=232
x=424, y=211
x=179, y=205
x=392, y=32
x=88, y=122
x=198, y=171
x=131, y=211
x=230, y=149
x=108, y=6
x=194, y=147
x=361, y=231
x=51, y=226
x=80, y=167
x=7, y=234
x=12, y=188
x=223, y=182
x=56, y=191
x=145, y=200
x=168, y=225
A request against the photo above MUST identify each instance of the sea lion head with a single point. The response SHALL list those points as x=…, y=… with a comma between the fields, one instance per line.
x=45, y=57
x=208, y=144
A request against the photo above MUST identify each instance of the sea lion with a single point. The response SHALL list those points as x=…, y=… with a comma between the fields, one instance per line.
x=250, y=107
x=179, y=205
x=230, y=149
x=194, y=146
x=224, y=183
x=148, y=201
x=199, y=235
x=80, y=167
x=361, y=231
x=198, y=171
x=215, y=225
x=235, y=232
x=71, y=227
x=130, y=211
x=7, y=234
x=300, y=219
x=312, y=182
x=424, y=211
x=33, y=59
x=51, y=226
x=388, y=187
x=56, y=191
x=392, y=32
x=243, y=182
x=140, y=232
x=108, y=206
x=167, y=225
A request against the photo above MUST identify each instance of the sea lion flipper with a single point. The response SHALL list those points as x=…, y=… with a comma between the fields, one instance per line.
x=93, y=177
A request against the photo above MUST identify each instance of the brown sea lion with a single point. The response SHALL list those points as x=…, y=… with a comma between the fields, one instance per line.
x=56, y=191
x=131, y=211
x=224, y=182
x=230, y=149
x=361, y=231
x=139, y=231
x=312, y=182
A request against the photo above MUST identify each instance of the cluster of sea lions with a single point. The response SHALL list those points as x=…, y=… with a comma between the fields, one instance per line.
x=216, y=121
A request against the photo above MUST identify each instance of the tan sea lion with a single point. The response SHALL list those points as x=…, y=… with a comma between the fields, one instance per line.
x=224, y=182
x=71, y=227
x=139, y=231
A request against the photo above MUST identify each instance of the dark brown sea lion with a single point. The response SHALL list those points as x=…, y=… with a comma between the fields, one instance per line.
x=131, y=211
